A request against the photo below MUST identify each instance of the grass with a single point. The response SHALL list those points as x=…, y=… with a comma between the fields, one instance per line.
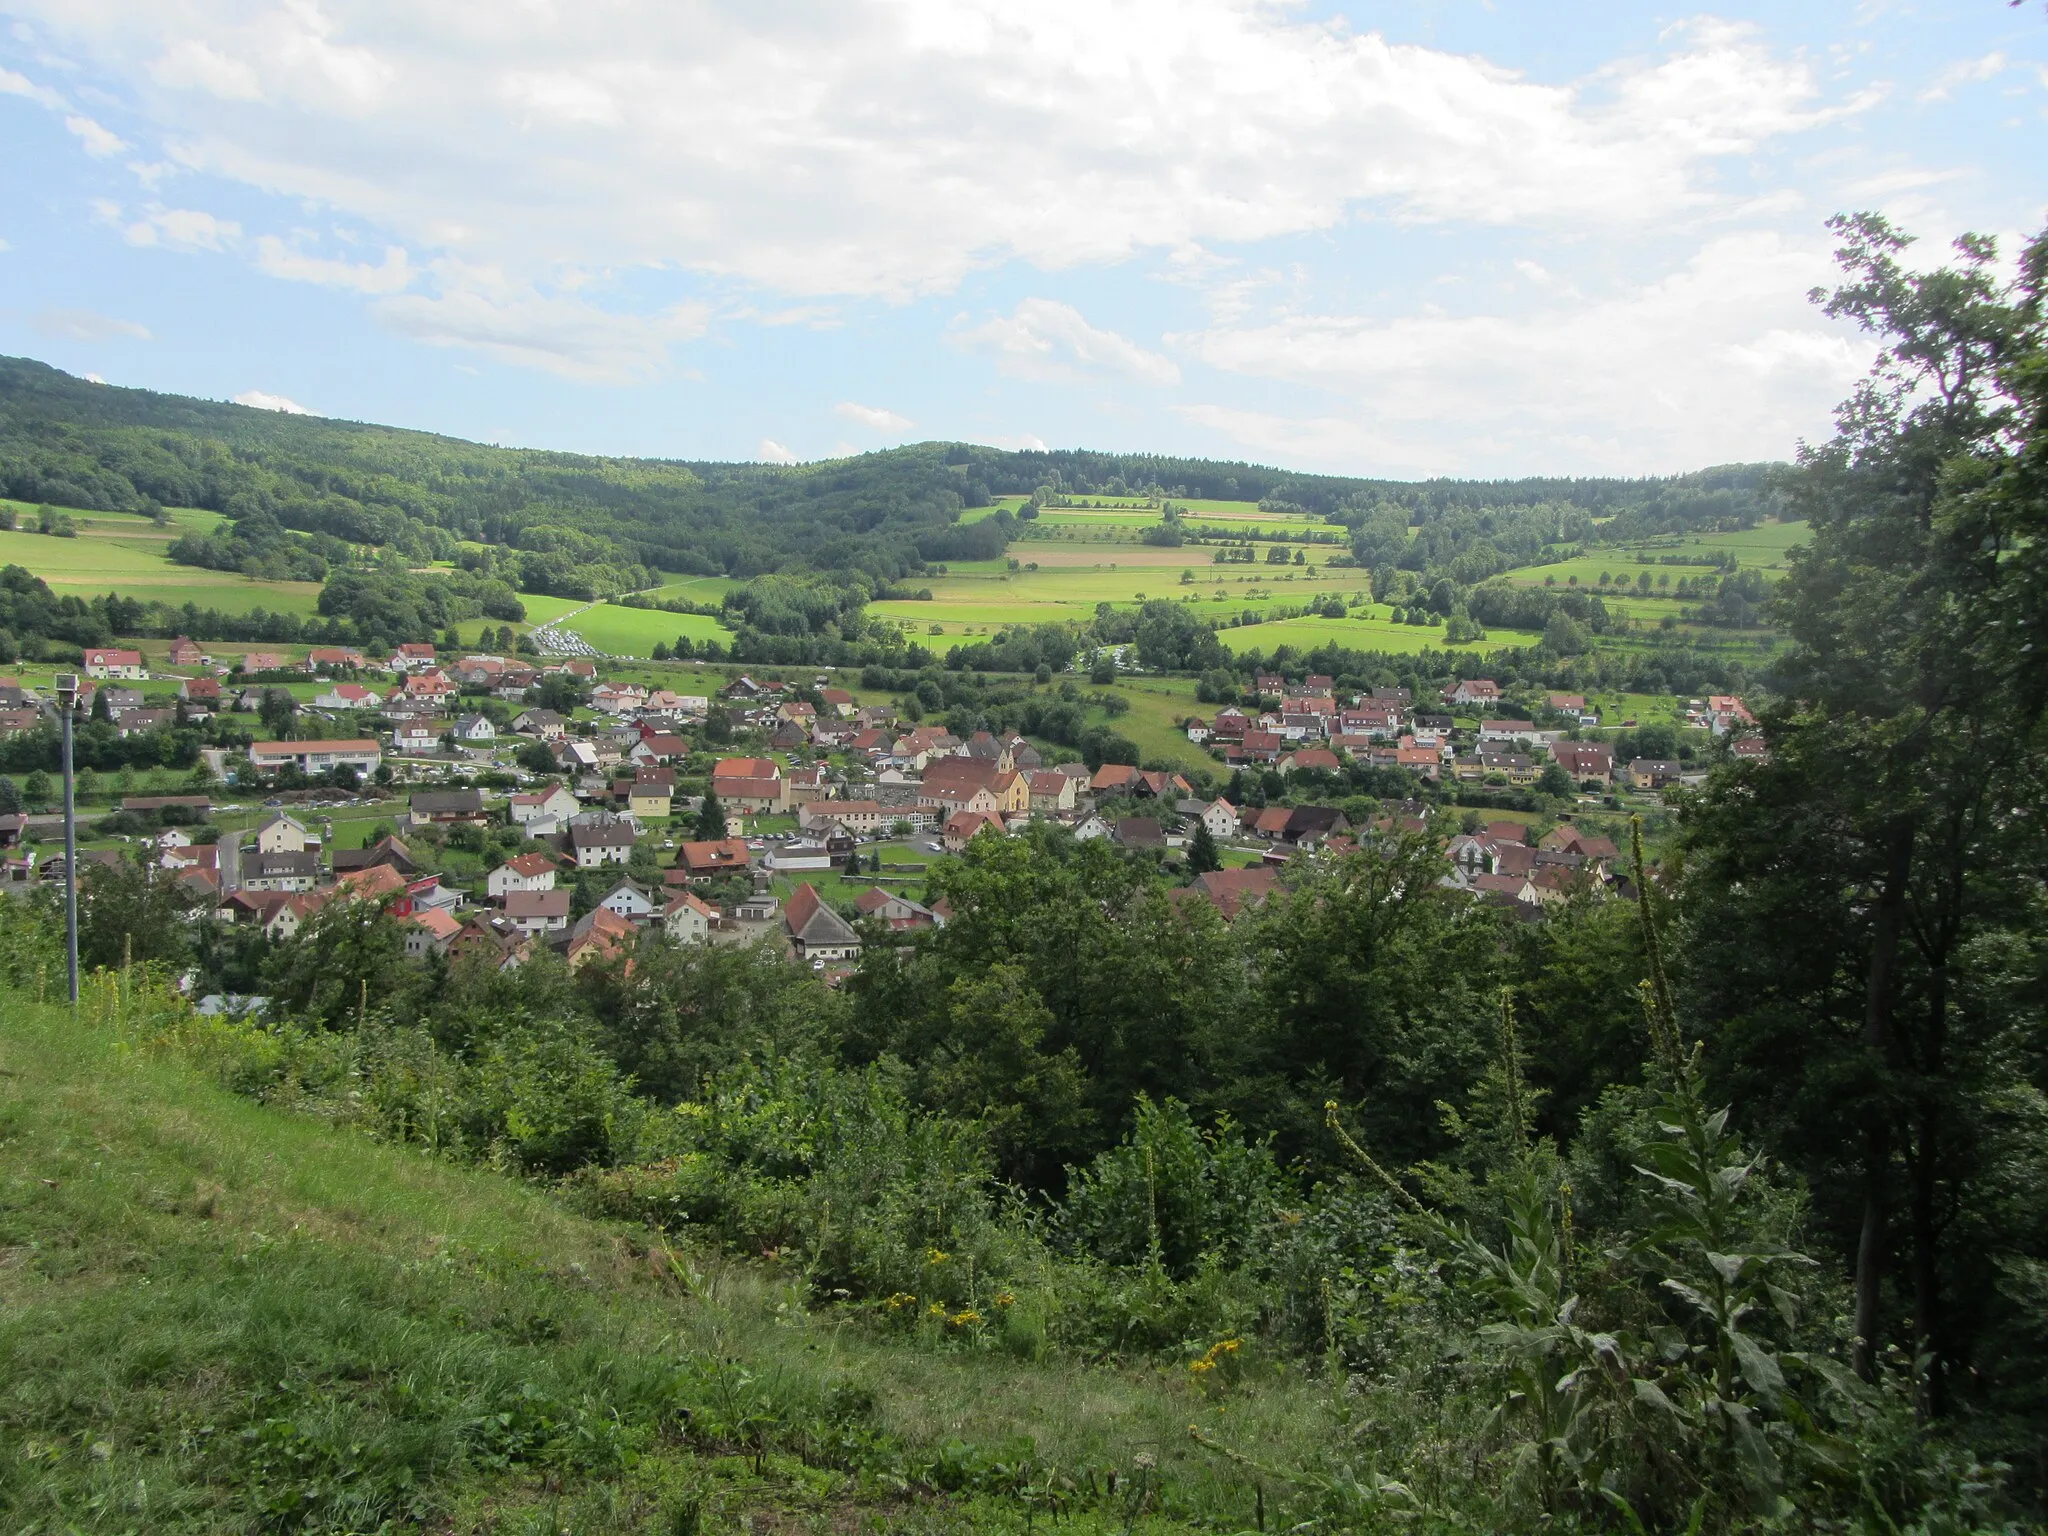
x=218, y=1317
x=1363, y=634
x=116, y=552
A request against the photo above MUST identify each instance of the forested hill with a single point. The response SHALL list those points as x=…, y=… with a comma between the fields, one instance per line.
x=71, y=442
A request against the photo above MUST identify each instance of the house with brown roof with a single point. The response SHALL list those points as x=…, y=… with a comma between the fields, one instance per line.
x=817, y=933
x=962, y=827
x=537, y=911
x=1231, y=891
x=702, y=861
x=751, y=785
x=525, y=872
x=899, y=912
x=687, y=918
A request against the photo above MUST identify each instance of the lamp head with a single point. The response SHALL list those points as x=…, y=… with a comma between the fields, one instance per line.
x=65, y=686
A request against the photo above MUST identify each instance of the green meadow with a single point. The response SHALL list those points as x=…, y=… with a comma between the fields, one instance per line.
x=1362, y=634
x=116, y=552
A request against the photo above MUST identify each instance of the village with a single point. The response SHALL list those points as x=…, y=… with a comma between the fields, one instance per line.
x=514, y=825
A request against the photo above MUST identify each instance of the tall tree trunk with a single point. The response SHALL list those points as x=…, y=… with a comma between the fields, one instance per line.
x=1928, y=1330
x=1880, y=1001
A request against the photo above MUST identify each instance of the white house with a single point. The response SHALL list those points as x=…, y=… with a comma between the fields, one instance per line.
x=527, y=872
x=126, y=665
x=554, y=802
x=1221, y=818
x=475, y=731
x=688, y=919
x=416, y=740
x=347, y=696
x=1090, y=829
x=534, y=912
x=317, y=756
x=281, y=834
x=597, y=844
x=627, y=900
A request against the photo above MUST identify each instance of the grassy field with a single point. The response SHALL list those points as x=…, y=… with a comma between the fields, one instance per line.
x=216, y=1317
x=1378, y=633
x=115, y=552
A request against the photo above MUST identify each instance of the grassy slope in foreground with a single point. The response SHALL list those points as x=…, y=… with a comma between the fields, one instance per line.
x=216, y=1316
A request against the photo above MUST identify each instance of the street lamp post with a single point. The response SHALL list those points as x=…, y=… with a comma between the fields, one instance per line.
x=66, y=688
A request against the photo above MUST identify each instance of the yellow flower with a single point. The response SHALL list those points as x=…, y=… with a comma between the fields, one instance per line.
x=1005, y=1299
x=936, y=1309
x=962, y=1319
x=936, y=1255
x=899, y=1301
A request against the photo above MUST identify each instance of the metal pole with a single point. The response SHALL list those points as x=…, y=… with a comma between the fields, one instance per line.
x=70, y=861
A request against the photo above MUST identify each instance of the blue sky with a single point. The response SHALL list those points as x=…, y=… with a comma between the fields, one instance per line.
x=1411, y=239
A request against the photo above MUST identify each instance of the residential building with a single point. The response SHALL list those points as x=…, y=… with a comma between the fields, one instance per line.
x=628, y=900
x=899, y=912
x=551, y=802
x=525, y=872
x=598, y=842
x=345, y=696
x=416, y=740
x=186, y=652
x=688, y=919
x=1474, y=690
x=1231, y=891
x=699, y=862
x=447, y=808
x=750, y=785
x=1585, y=760
x=430, y=931
x=1221, y=818
x=281, y=834
x=817, y=933
x=1652, y=773
x=474, y=731
x=962, y=827
x=537, y=912
x=290, y=872
x=103, y=662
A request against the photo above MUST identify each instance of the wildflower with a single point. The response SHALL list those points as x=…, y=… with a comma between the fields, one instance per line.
x=936, y=1255
x=899, y=1301
x=1144, y=1461
x=936, y=1309
x=1005, y=1299
x=962, y=1319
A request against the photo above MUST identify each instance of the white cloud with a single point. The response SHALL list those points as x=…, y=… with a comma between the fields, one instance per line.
x=1049, y=341
x=772, y=452
x=1718, y=360
x=565, y=336
x=1964, y=72
x=12, y=84
x=87, y=325
x=808, y=157
x=874, y=417
x=276, y=259
x=1013, y=442
x=181, y=229
x=262, y=400
x=5, y=247
x=98, y=141
x=93, y=378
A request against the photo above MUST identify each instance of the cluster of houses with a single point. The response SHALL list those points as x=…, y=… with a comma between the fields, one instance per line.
x=1312, y=728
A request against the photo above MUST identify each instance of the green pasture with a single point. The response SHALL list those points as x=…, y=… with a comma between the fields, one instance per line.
x=635, y=631
x=118, y=553
x=1362, y=634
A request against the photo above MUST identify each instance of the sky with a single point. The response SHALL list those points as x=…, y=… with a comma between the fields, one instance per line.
x=1431, y=237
